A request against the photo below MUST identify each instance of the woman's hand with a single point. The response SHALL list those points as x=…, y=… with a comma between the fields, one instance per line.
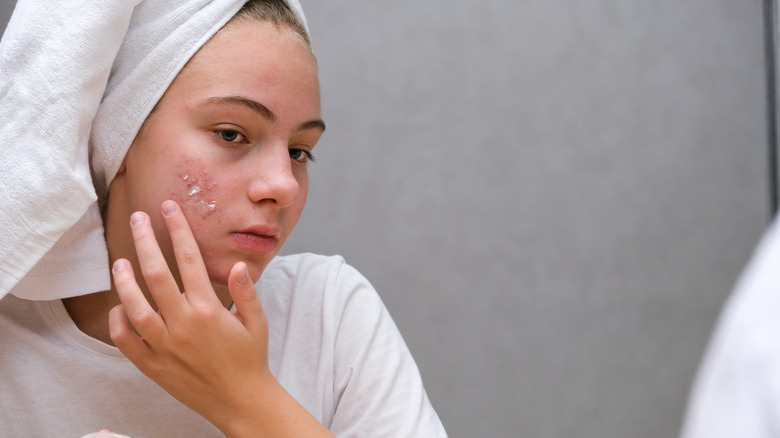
x=212, y=360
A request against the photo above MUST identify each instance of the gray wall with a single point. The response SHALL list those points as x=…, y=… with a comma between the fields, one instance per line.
x=553, y=197
x=6, y=7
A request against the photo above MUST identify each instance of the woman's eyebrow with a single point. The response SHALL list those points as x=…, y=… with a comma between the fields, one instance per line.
x=262, y=110
x=312, y=124
x=243, y=101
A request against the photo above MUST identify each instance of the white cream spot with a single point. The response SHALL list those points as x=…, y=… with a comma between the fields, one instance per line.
x=196, y=189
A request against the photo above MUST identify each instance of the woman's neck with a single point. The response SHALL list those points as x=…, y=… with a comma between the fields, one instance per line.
x=90, y=313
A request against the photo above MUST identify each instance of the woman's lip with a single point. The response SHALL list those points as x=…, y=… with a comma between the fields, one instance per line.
x=265, y=243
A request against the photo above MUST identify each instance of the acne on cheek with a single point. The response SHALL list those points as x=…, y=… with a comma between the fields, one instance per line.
x=196, y=192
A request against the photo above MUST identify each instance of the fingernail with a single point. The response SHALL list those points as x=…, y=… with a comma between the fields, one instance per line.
x=137, y=218
x=120, y=265
x=168, y=208
x=244, y=279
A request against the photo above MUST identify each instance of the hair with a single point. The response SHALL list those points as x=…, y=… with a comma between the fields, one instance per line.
x=275, y=11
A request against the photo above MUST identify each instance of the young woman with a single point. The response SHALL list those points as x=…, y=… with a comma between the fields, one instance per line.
x=205, y=330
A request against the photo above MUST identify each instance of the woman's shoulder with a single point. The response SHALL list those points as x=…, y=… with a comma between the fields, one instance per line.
x=313, y=281
x=20, y=312
x=309, y=271
x=292, y=263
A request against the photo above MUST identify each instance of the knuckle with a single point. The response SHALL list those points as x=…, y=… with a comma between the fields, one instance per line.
x=204, y=313
x=142, y=234
x=119, y=337
x=142, y=319
x=155, y=272
x=122, y=279
x=187, y=257
x=180, y=335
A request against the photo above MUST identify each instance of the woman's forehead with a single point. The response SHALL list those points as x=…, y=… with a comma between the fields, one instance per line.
x=252, y=38
x=248, y=65
x=252, y=49
x=252, y=59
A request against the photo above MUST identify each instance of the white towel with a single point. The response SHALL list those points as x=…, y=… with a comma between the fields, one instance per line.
x=77, y=80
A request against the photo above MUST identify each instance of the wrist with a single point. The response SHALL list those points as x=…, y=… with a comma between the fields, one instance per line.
x=268, y=410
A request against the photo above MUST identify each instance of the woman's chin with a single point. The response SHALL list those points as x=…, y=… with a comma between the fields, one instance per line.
x=220, y=275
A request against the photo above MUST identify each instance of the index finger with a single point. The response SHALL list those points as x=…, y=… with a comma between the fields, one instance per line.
x=192, y=270
x=158, y=277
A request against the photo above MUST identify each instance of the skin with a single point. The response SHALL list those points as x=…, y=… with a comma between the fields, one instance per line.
x=205, y=198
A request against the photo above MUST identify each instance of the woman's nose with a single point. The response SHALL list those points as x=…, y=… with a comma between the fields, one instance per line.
x=273, y=178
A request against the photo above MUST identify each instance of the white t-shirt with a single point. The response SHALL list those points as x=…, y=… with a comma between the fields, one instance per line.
x=737, y=389
x=332, y=345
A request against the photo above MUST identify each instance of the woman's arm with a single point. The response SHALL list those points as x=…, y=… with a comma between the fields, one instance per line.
x=212, y=360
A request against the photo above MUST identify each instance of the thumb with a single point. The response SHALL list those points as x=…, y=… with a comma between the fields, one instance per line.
x=248, y=307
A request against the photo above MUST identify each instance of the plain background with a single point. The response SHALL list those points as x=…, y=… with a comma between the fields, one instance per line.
x=554, y=198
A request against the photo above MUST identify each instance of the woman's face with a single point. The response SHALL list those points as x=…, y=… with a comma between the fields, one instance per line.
x=229, y=142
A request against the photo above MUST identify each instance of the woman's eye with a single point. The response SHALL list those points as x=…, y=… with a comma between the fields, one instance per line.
x=301, y=155
x=230, y=135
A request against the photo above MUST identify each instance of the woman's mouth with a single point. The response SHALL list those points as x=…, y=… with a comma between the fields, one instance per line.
x=264, y=243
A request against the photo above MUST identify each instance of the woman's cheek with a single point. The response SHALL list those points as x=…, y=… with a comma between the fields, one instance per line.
x=197, y=193
x=195, y=190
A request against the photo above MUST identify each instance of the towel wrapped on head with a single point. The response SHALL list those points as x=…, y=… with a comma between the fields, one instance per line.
x=78, y=81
